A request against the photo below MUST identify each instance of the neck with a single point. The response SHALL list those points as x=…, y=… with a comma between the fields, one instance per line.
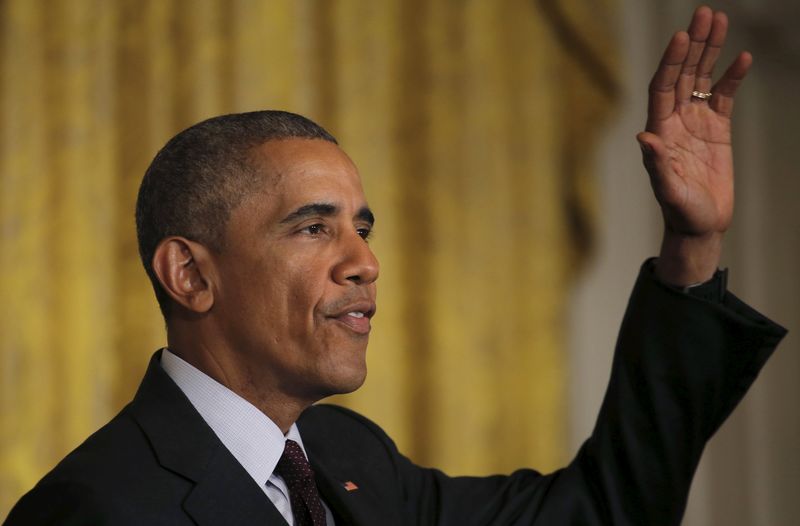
x=223, y=368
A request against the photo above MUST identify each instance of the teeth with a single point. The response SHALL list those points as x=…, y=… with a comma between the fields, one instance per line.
x=356, y=314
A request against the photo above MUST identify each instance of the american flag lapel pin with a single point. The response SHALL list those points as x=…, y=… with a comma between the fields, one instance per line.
x=350, y=485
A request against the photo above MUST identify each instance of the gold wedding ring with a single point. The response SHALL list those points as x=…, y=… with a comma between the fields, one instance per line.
x=702, y=95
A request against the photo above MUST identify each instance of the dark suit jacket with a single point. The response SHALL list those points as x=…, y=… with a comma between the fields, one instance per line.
x=681, y=366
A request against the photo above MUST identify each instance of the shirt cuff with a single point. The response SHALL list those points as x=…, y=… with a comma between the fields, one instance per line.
x=713, y=290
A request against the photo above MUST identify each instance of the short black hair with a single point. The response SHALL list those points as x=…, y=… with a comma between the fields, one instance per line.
x=202, y=174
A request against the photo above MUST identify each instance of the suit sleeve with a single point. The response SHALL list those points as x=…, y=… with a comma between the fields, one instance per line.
x=681, y=365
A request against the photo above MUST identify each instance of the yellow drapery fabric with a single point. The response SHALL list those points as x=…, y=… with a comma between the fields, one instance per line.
x=472, y=125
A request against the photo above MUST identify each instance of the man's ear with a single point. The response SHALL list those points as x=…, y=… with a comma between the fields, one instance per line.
x=184, y=269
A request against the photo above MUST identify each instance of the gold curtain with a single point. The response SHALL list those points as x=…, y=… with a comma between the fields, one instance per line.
x=472, y=123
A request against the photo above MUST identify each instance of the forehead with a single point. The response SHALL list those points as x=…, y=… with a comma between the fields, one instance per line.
x=300, y=171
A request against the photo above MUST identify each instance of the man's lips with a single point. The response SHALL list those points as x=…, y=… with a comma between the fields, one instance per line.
x=356, y=316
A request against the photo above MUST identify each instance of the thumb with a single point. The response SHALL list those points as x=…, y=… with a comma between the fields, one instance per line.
x=656, y=160
x=652, y=146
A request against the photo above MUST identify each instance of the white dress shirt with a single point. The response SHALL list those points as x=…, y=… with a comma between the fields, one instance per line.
x=252, y=438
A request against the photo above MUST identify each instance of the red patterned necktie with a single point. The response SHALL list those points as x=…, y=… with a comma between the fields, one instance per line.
x=298, y=475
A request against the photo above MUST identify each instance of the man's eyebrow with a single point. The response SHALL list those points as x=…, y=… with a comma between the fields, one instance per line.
x=326, y=210
x=311, y=209
x=366, y=215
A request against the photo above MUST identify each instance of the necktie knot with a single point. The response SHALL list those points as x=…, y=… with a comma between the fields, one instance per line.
x=293, y=466
x=299, y=477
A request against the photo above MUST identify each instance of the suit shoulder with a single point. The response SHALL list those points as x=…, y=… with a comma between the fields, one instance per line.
x=336, y=415
x=55, y=501
x=335, y=431
x=79, y=487
x=112, y=470
x=334, y=419
x=112, y=448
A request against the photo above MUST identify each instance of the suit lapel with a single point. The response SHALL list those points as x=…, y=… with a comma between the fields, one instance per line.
x=224, y=493
x=357, y=506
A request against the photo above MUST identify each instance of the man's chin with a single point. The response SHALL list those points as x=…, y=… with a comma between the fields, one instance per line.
x=351, y=382
x=345, y=382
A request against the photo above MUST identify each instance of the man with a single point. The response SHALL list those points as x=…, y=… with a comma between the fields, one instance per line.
x=253, y=229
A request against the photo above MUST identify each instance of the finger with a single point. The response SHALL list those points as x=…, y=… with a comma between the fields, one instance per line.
x=725, y=88
x=719, y=29
x=699, y=31
x=662, y=86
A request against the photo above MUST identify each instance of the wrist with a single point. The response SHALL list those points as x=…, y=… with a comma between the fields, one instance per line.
x=687, y=260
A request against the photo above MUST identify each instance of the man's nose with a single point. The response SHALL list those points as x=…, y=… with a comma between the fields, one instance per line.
x=358, y=265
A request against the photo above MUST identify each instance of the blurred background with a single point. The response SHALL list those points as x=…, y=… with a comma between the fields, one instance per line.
x=496, y=143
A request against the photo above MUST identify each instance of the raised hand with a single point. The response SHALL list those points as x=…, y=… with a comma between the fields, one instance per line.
x=687, y=147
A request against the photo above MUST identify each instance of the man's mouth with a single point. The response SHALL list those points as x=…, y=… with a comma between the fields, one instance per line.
x=357, y=317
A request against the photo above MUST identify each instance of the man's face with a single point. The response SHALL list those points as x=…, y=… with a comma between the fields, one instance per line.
x=296, y=279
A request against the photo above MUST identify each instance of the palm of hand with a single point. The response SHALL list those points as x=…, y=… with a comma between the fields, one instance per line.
x=695, y=185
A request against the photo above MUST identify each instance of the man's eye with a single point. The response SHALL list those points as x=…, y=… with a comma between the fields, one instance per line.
x=364, y=232
x=314, y=229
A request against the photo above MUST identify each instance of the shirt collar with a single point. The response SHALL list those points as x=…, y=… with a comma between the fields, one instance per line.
x=255, y=441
